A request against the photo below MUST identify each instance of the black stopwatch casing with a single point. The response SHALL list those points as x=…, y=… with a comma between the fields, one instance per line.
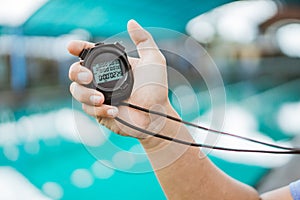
x=112, y=73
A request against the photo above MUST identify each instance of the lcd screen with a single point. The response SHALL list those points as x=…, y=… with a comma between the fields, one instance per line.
x=107, y=71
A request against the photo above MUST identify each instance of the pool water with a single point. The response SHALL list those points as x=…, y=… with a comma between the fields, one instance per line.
x=38, y=141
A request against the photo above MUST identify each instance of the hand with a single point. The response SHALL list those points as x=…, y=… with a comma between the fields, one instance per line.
x=150, y=88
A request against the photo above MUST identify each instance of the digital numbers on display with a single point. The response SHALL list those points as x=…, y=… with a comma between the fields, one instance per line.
x=107, y=71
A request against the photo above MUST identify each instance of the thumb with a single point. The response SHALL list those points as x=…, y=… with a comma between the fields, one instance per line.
x=146, y=47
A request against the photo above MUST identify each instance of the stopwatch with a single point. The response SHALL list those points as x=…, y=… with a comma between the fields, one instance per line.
x=112, y=72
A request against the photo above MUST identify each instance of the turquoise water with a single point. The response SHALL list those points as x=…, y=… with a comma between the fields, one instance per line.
x=71, y=165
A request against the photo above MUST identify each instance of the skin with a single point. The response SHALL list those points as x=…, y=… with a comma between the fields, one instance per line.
x=183, y=172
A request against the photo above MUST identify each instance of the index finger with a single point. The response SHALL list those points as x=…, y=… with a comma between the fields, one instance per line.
x=75, y=47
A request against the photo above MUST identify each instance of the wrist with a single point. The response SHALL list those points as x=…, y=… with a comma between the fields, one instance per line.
x=167, y=128
x=162, y=153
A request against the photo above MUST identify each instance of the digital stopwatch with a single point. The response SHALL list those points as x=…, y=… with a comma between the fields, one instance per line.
x=112, y=73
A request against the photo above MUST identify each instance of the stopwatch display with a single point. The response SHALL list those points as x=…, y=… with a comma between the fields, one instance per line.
x=107, y=71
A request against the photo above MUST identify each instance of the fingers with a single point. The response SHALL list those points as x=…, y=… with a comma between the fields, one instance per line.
x=147, y=48
x=86, y=95
x=92, y=101
x=75, y=47
x=77, y=72
x=101, y=111
x=80, y=74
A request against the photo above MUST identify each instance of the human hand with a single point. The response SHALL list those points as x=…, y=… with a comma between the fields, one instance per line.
x=150, y=89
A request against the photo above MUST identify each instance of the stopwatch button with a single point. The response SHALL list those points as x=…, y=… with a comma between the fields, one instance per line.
x=99, y=43
x=83, y=54
x=119, y=45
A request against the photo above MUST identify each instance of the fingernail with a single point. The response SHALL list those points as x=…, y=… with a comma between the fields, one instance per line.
x=95, y=99
x=113, y=112
x=83, y=76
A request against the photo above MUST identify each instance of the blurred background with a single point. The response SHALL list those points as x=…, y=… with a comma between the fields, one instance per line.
x=254, y=44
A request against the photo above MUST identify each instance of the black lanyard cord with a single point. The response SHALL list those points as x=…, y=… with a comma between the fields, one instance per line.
x=295, y=151
x=289, y=150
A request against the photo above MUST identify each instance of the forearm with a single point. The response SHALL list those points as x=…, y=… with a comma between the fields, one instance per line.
x=278, y=194
x=184, y=172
